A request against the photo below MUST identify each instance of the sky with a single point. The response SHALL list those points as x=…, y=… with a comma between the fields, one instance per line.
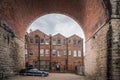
x=57, y=23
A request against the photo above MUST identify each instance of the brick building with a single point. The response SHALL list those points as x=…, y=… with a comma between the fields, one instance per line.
x=62, y=53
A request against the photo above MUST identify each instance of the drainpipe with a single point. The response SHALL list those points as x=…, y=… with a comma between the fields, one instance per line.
x=82, y=56
x=50, y=50
x=39, y=52
x=67, y=53
x=26, y=43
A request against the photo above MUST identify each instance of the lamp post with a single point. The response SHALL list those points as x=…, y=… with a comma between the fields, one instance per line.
x=38, y=42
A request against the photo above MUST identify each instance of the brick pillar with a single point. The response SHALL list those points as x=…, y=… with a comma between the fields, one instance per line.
x=11, y=51
x=109, y=52
x=115, y=49
x=115, y=22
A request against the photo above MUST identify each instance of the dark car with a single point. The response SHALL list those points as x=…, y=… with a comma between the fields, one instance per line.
x=34, y=72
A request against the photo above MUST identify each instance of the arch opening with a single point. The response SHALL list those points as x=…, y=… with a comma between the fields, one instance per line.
x=60, y=33
x=43, y=19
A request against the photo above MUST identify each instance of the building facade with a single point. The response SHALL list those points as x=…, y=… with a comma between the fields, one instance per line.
x=54, y=53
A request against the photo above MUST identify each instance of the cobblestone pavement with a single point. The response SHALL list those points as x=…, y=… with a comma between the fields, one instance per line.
x=52, y=76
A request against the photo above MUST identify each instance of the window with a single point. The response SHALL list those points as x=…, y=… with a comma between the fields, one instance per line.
x=37, y=39
x=58, y=53
x=74, y=42
x=30, y=52
x=44, y=65
x=54, y=52
x=47, y=65
x=47, y=41
x=75, y=53
x=31, y=40
x=69, y=52
x=79, y=42
x=42, y=41
x=64, y=42
x=79, y=53
x=47, y=52
x=65, y=52
x=41, y=52
x=54, y=42
x=69, y=41
x=58, y=41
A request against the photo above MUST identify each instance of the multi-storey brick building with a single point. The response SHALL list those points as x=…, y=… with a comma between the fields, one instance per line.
x=54, y=52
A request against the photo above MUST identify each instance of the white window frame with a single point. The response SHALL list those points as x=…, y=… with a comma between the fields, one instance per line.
x=53, y=41
x=58, y=53
x=46, y=41
x=79, y=53
x=54, y=52
x=47, y=52
x=41, y=52
x=41, y=41
x=59, y=42
x=65, y=52
x=79, y=42
x=75, y=53
x=69, y=52
x=74, y=42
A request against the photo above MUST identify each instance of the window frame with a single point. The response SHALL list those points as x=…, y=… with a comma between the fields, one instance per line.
x=75, y=53
x=41, y=52
x=74, y=42
x=79, y=54
x=54, y=52
x=46, y=52
x=59, y=42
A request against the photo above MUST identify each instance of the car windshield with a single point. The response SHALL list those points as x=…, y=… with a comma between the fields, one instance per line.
x=33, y=70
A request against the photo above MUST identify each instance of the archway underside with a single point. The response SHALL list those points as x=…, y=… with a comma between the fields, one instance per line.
x=20, y=14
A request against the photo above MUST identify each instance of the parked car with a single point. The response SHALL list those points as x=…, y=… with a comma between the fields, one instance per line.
x=34, y=72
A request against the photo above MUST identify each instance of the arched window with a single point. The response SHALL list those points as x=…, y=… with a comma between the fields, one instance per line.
x=31, y=40
x=79, y=42
x=37, y=39
x=58, y=41
x=75, y=53
x=74, y=42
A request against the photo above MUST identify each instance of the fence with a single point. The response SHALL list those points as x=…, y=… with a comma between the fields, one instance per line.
x=2, y=76
x=5, y=75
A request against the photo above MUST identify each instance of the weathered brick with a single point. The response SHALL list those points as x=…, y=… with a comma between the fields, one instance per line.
x=9, y=53
x=19, y=14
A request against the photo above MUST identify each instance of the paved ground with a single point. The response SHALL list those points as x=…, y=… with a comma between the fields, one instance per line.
x=52, y=76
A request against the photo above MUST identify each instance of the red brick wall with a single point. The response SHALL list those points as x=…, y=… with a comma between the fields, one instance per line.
x=72, y=61
x=20, y=14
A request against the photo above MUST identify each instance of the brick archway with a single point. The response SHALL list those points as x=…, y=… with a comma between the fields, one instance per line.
x=91, y=15
x=18, y=15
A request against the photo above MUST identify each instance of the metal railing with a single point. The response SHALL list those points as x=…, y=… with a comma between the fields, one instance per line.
x=6, y=75
x=2, y=76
